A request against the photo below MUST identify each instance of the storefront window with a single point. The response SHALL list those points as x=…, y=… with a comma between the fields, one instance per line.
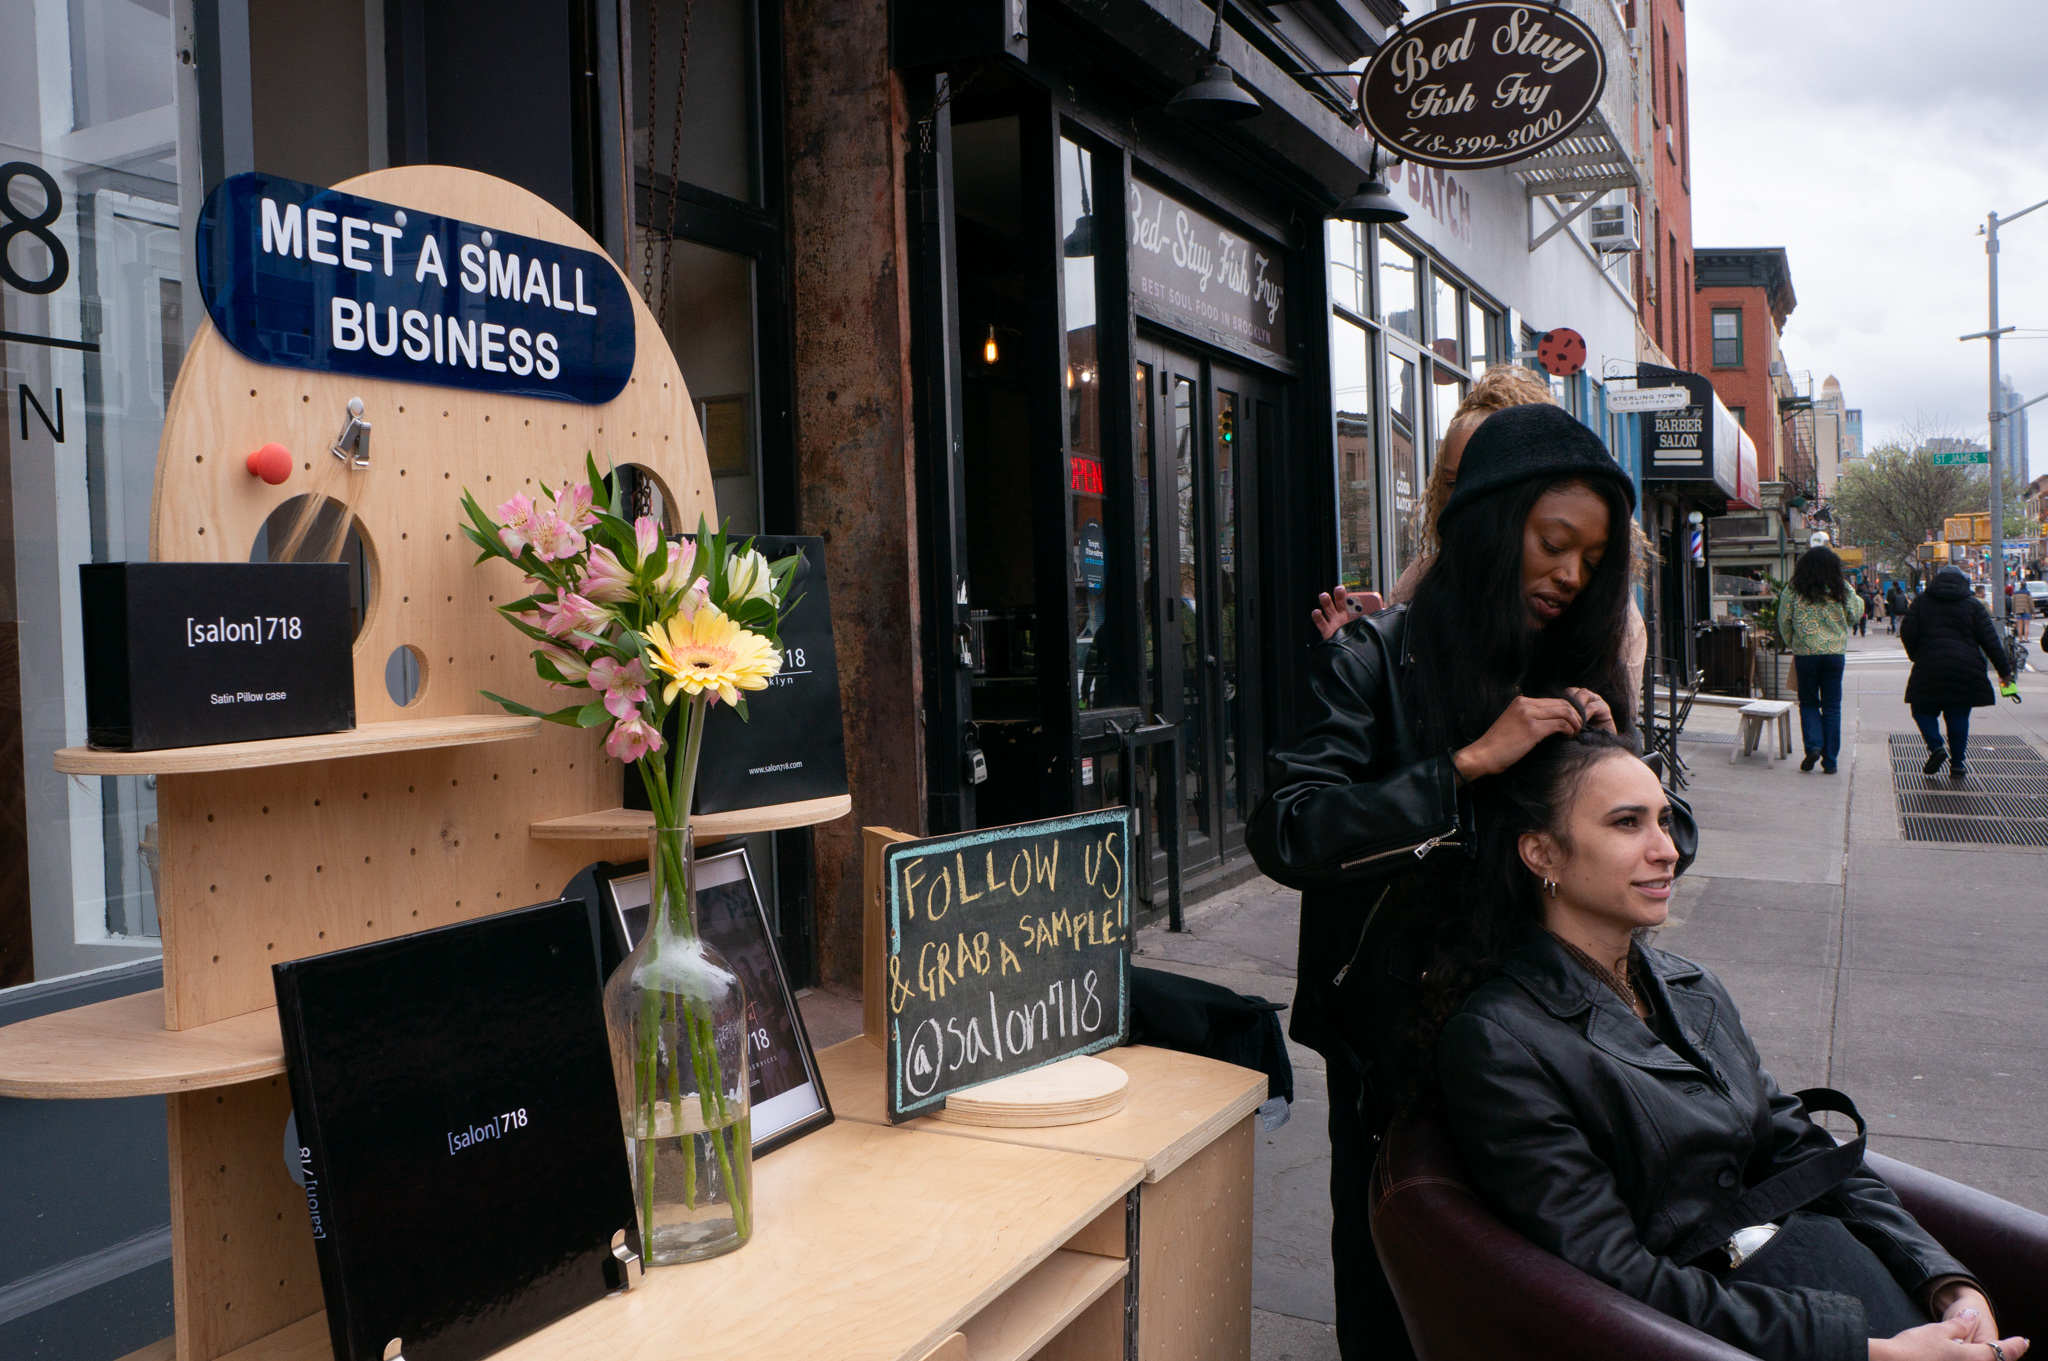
x=1480, y=328
x=93, y=300
x=1402, y=406
x=1444, y=318
x=1141, y=406
x=1087, y=487
x=1194, y=721
x=1447, y=390
x=1400, y=289
x=711, y=329
x=1347, y=266
x=1357, y=481
x=716, y=150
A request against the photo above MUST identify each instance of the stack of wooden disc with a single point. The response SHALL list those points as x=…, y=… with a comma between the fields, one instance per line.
x=1064, y=1093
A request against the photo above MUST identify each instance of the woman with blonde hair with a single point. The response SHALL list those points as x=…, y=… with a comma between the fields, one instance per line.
x=1500, y=387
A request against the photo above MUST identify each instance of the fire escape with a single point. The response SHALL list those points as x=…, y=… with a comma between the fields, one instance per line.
x=1794, y=395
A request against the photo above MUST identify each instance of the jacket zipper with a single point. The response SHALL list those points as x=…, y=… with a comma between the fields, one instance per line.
x=1446, y=839
x=1359, y=949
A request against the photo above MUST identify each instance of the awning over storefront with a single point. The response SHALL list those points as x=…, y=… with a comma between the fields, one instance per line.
x=1699, y=448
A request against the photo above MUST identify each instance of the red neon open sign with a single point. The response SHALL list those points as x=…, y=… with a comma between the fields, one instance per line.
x=1085, y=476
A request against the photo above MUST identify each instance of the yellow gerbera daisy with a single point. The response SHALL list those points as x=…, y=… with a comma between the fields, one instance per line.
x=708, y=651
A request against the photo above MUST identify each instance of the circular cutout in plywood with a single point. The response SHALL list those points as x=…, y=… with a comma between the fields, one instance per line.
x=303, y=529
x=1065, y=1093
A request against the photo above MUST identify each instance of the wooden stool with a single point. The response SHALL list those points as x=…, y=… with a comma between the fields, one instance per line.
x=1754, y=733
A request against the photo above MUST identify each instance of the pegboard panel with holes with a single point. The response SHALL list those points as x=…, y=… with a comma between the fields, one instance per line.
x=274, y=863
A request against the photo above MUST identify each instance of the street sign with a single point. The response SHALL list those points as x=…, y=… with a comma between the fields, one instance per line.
x=1648, y=399
x=1949, y=457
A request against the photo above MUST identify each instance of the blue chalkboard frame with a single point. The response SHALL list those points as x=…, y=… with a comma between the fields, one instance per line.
x=311, y=278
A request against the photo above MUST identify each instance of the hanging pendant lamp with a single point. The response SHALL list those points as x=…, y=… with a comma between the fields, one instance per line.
x=1373, y=202
x=1215, y=96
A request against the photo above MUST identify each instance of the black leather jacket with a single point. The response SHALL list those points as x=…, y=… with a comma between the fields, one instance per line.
x=1600, y=1143
x=1353, y=801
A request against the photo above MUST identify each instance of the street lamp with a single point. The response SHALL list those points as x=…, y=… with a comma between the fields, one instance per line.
x=1992, y=222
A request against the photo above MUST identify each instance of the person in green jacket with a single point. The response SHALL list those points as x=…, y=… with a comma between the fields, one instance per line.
x=1815, y=614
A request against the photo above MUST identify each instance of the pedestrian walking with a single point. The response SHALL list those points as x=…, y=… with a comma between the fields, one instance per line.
x=1515, y=633
x=1815, y=614
x=1895, y=604
x=2023, y=611
x=1869, y=593
x=1949, y=635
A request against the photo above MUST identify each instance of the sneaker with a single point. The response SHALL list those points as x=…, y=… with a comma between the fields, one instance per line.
x=1811, y=757
x=1957, y=770
x=1827, y=768
x=1935, y=759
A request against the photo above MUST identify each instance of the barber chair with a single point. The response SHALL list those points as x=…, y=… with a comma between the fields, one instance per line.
x=1472, y=1289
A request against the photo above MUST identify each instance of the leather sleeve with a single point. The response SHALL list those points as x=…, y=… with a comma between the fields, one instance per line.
x=1335, y=799
x=1527, y=1155
x=1986, y=636
x=1866, y=1206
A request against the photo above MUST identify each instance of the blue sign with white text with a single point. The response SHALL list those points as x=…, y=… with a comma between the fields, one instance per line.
x=318, y=279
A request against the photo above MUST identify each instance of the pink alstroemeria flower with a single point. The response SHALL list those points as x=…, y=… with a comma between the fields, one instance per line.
x=572, y=503
x=624, y=686
x=555, y=538
x=646, y=536
x=573, y=668
x=518, y=527
x=631, y=739
x=608, y=580
x=569, y=613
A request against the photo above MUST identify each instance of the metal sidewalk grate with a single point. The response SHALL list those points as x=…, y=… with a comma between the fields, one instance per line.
x=1976, y=831
x=2003, y=802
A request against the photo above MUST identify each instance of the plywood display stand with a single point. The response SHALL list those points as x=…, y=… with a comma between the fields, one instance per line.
x=422, y=816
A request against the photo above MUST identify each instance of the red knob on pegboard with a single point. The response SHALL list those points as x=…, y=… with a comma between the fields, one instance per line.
x=272, y=463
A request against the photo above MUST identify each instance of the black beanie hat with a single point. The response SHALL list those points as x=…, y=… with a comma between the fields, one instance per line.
x=1521, y=443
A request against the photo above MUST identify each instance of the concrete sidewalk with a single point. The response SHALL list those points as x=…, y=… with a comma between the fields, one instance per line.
x=1903, y=973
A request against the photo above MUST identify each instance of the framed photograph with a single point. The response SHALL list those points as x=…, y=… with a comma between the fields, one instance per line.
x=789, y=1100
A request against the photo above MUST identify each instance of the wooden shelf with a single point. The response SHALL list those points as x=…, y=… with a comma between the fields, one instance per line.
x=120, y=1048
x=1034, y=1310
x=630, y=824
x=1176, y=1105
x=845, y=1213
x=368, y=739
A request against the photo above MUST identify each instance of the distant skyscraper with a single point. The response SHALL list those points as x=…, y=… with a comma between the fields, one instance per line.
x=1852, y=432
x=2013, y=447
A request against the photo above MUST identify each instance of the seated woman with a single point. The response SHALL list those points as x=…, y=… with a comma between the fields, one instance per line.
x=1607, y=1100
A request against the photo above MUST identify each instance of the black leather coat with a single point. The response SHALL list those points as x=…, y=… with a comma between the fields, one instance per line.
x=1603, y=1145
x=1353, y=801
x=1949, y=635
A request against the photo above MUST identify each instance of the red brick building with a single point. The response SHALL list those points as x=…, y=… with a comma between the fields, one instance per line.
x=1664, y=281
x=1743, y=298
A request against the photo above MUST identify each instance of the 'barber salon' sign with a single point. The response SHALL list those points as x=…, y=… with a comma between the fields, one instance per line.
x=315, y=278
x=1197, y=275
x=1483, y=84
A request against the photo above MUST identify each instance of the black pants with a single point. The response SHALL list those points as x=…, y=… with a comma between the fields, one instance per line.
x=1369, y=1326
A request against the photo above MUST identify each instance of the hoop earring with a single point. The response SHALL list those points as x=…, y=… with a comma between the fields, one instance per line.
x=1550, y=887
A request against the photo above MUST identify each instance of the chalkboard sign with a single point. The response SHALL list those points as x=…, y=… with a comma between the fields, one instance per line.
x=1007, y=949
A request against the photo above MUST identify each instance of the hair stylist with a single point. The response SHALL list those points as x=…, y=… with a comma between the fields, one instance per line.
x=1524, y=605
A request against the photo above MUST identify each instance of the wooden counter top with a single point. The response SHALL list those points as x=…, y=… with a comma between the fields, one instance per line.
x=873, y=1245
x=1177, y=1104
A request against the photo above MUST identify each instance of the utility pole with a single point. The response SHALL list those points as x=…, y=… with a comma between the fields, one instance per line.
x=1992, y=222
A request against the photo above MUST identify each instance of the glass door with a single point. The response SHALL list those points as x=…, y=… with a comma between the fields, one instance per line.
x=1201, y=430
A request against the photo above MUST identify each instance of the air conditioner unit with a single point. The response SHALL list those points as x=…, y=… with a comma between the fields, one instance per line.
x=1616, y=227
x=1777, y=368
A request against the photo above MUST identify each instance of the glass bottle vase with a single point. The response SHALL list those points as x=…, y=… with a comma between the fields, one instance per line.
x=677, y=1016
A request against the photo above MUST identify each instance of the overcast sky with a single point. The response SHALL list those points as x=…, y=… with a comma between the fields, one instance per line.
x=1870, y=138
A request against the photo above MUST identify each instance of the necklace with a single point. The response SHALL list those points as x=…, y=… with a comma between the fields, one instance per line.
x=1617, y=983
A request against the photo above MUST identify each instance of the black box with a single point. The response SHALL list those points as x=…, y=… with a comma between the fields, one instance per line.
x=190, y=654
x=458, y=1132
x=795, y=747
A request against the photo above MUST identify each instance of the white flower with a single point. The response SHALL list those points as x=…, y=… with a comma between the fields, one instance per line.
x=747, y=577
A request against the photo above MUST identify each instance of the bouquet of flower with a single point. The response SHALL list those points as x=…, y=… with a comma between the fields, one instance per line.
x=642, y=626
